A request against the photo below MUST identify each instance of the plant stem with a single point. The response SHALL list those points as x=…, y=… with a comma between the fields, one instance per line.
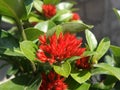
x=21, y=30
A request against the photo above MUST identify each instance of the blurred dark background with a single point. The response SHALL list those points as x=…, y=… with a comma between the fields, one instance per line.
x=100, y=14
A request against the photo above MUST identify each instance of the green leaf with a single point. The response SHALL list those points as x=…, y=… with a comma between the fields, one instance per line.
x=80, y=76
x=63, y=69
x=29, y=5
x=72, y=27
x=117, y=12
x=98, y=71
x=49, y=1
x=101, y=49
x=84, y=86
x=32, y=33
x=73, y=85
x=88, y=53
x=113, y=70
x=28, y=82
x=58, y=30
x=8, y=44
x=91, y=40
x=8, y=8
x=12, y=70
x=116, y=54
x=64, y=17
x=73, y=58
x=29, y=49
x=45, y=26
x=64, y=5
x=38, y=5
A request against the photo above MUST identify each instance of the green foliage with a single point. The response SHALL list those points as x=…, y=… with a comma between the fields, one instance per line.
x=71, y=27
x=49, y=1
x=8, y=44
x=64, y=5
x=45, y=26
x=80, y=76
x=91, y=40
x=112, y=70
x=116, y=54
x=29, y=49
x=117, y=12
x=63, y=69
x=38, y=5
x=101, y=49
x=20, y=52
x=8, y=8
x=32, y=33
x=28, y=5
x=24, y=82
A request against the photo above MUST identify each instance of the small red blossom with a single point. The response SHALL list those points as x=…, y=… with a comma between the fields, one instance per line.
x=83, y=63
x=59, y=48
x=75, y=16
x=52, y=81
x=49, y=10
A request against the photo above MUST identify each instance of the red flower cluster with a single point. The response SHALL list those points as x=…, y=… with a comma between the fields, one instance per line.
x=52, y=81
x=83, y=63
x=49, y=10
x=75, y=16
x=59, y=48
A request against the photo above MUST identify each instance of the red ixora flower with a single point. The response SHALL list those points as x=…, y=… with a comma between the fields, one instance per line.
x=83, y=63
x=75, y=16
x=52, y=81
x=49, y=10
x=59, y=48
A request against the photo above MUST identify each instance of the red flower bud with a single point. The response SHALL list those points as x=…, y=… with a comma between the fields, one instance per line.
x=49, y=10
x=75, y=16
x=83, y=63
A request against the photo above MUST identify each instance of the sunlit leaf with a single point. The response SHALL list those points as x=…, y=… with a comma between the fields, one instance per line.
x=64, y=5
x=113, y=70
x=29, y=49
x=63, y=69
x=91, y=40
x=101, y=49
x=80, y=76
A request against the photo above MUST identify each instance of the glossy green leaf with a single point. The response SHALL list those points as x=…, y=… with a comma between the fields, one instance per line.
x=98, y=71
x=29, y=49
x=7, y=20
x=116, y=54
x=45, y=26
x=101, y=49
x=22, y=83
x=113, y=70
x=29, y=5
x=32, y=33
x=117, y=12
x=8, y=8
x=64, y=5
x=91, y=40
x=63, y=69
x=64, y=17
x=80, y=76
x=72, y=27
x=38, y=5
